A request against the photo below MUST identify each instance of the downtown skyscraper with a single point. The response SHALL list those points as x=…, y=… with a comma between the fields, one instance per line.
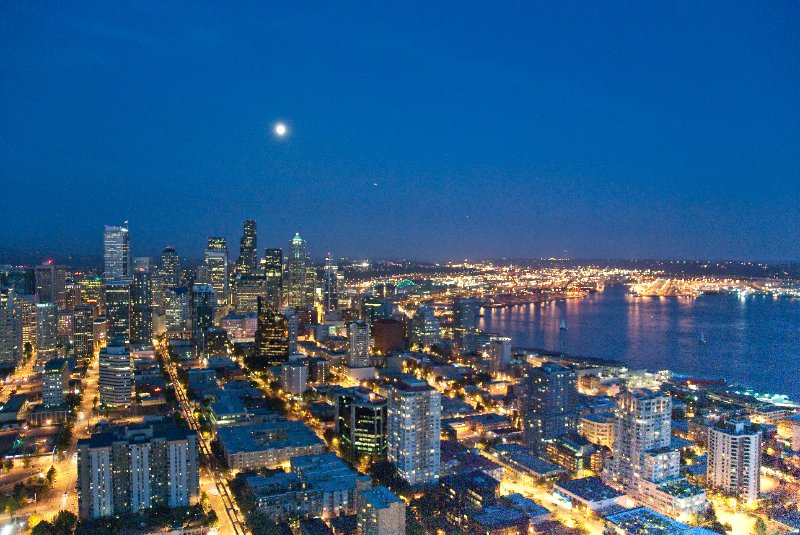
x=117, y=253
x=296, y=273
x=246, y=265
x=215, y=267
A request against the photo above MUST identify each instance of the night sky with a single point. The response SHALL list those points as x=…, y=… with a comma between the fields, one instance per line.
x=424, y=131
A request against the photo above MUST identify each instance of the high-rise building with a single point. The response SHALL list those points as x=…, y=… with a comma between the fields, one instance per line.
x=118, y=310
x=380, y=512
x=358, y=354
x=130, y=469
x=375, y=309
x=93, y=292
x=83, y=331
x=387, y=336
x=55, y=382
x=117, y=253
x=414, y=424
x=466, y=314
x=296, y=272
x=425, y=331
x=177, y=309
x=141, y=307
x=204, y=301
x=313, y=294
x=734, y=459
x=11, y=345
x=247, y=293
x=644, y=463
x=248, y=256
x=330, y=285
x=361, y=422
x=46, y=331
x=215, y=267
x=548, y=404
x=22, y=279
x=169, y=267
x=73, y=295
x=272, y=336
x=272, y=270
x=51, y=284
x=499, y=353
x=27, y=307
x=294, y=377
x=144, y=263
x=116, y=374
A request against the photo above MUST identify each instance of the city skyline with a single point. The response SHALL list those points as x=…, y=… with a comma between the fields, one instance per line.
x=584, y=132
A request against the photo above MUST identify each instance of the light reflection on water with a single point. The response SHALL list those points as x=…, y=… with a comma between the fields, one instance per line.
x=753, y=341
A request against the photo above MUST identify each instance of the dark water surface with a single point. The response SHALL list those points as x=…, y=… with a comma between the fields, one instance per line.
x=753, y=341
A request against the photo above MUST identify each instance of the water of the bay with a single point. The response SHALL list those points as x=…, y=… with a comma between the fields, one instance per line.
x=752, y=341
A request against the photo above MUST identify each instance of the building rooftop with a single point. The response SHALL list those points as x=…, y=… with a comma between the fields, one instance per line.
x=55, y=365
x=380, y=497
x=644, y=521
x=526, y=505
x=737, y=427
x=497, y=517
x=266, y=436
x=589, y=489
x=680, y=488
x=600, y=417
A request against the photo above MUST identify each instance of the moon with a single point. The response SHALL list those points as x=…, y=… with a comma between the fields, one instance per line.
x=281, y=130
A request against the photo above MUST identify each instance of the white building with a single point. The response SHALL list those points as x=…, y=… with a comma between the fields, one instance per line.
x=414, y=423
x=294, y=377
x=55, y=382
x=116, y=376
x=117, y=253
x=358, y=354
x=46, y=331
x=11, y=345
x=644, y=464
x=499, y=353
x=597, y=428
x=734, y=458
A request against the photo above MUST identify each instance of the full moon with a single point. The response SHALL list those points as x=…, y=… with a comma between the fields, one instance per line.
x=280, y=129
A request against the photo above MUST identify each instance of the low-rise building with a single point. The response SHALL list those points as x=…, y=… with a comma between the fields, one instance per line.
x=380, y=512
x=597, y=428
x=587, y=494
x=267, y=444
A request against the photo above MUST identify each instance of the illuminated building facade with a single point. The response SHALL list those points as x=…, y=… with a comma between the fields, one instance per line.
x=413, y=428
x=117, y=253
x=547, y=404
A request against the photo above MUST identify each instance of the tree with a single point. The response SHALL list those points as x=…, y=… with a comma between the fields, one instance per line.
x=26, y=461
x=8, y=464
x=43, y=528
x=64, y=523
x=760, y=527
x=51, y=474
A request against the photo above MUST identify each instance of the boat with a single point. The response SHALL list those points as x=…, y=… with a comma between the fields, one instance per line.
x=702, y=338
x=563, y=325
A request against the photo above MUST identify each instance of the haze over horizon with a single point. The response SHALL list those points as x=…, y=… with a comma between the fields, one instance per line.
x=425, y=132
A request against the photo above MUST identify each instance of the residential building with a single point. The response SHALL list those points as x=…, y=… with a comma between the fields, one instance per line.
x=358, y=354
x=267, y=444
x=361, y=422
x=46, y=331
x=380, y=512
x=413, y=430
x=116, y=375
x=734, y=458
x=129, y=469
x=55, y=382
x=547, y=404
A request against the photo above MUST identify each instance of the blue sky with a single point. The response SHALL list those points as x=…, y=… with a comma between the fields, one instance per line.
x=421, y=130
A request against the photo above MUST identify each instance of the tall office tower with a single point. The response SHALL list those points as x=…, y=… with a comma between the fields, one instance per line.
x=293, y=329
x=380, y=512
x=312, y=296
x=27, y=307
x=248, y=255
x=83, y=331
x=129, y=469
x=296, y=273
x=93, y=292
x=642, y=424
x=247, y=293
x=272, y=270
x=272, y=336
x=216, y=268
x=466, y=314
x=548, y=404
x=499, y=353
x=22, y=279
x=99, y=332
x=361, y=422
x=143, y=263
x=118, y=310
x=72, y=294
x=55, y=382
x=414, y=422
x=51, y=284
x=425, y=328
x=204, y=301
x=169, y=267
x=330, y=285
x=116, y=374
x=178, y=313
x=141, y=307
x=46, y=331
x=168, y=275
x=11, y=345
x=734, y=459
x=117, y=253
x=358, y=354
